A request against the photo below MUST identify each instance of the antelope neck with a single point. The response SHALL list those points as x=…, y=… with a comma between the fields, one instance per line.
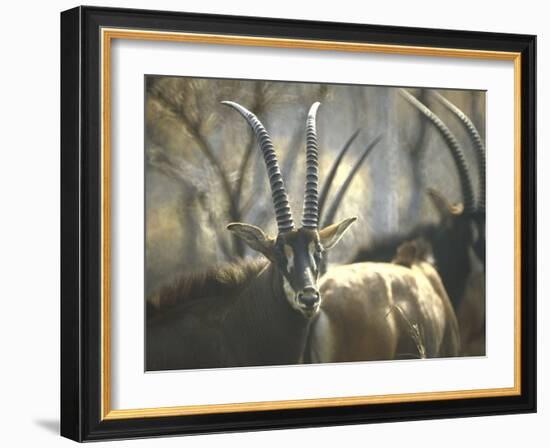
x=262, y=328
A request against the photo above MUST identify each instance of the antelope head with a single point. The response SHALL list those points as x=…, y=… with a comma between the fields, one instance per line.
x=462, y=224
x=296, y=253
x=457, y=233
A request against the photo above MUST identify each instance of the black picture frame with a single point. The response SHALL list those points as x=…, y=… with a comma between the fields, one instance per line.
x=81, y=224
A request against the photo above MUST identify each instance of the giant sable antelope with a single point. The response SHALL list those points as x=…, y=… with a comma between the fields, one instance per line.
x=457, y=242
x=253, y=312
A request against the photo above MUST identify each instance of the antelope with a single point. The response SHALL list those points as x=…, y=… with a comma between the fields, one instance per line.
x=257, y=312
x=457, y=242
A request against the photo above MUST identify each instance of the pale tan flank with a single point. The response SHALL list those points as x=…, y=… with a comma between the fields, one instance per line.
x=378, y=311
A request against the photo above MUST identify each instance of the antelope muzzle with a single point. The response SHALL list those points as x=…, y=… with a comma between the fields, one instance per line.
x=308, y=300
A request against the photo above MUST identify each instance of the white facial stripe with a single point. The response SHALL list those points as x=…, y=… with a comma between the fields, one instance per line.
x=289, y=254
x=309, y=275
x=312, y=249
x=289, y=292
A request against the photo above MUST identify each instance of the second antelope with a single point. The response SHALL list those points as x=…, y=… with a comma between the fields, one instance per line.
x=457, y=242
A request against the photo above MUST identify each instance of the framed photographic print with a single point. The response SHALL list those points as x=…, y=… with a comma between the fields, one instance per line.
x=273, y=224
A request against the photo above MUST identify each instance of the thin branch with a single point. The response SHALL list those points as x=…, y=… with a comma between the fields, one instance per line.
x=192, y=128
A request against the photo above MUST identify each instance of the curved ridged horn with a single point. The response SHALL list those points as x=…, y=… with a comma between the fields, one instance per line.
x=454, y=146
x=310, y=214
x=281, y=204
x=476, y=142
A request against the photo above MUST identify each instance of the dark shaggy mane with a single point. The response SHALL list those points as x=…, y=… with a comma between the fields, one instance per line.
x=223, y=281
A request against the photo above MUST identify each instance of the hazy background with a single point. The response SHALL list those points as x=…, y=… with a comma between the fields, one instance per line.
x=204, y=168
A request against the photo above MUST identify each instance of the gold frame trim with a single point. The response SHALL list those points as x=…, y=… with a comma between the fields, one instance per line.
x=107, y=35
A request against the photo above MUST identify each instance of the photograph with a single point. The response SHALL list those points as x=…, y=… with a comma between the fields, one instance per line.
x=296, y=223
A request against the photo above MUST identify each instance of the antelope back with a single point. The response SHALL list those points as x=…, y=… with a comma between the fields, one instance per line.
x=381, y=311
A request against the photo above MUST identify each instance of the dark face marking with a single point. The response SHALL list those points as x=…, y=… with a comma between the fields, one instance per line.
x=298, y=256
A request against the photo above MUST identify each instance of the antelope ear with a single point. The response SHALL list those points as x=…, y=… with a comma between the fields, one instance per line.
x=253, y=236
x=330, y=235
x=442, y=204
